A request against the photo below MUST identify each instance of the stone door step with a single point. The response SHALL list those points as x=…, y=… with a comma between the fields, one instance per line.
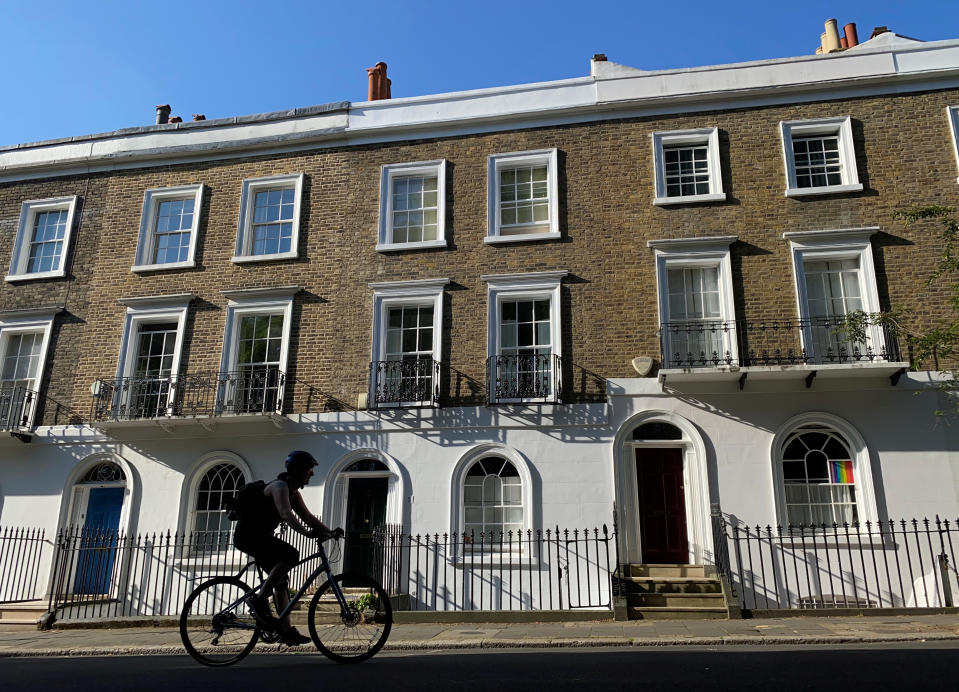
x=677, y=613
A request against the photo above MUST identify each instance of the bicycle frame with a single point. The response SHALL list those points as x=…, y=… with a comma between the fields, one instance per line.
x=323, y=567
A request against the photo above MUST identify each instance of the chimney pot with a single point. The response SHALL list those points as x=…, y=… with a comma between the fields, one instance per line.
x=600, y=57
x=379, y=84
x=163, y=114
x=176, y=119
x=879, y=30
x=830, y=38
x=843, y=43
x=198, y=116
x=852, y=38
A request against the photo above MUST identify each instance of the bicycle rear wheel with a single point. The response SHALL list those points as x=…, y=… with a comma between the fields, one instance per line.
x=213, y=632
x=359, y=633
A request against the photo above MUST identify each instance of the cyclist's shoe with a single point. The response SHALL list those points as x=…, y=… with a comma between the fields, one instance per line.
x=291, y=637
x=260, y=606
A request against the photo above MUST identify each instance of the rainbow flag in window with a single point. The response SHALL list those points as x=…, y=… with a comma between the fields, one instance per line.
x=841, y=472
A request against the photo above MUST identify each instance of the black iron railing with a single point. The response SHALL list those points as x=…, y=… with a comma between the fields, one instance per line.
x=17, y=407
x=886, y=564
x=254, y=390
x=21, y=555
x=813, y=341
x=514, y=570
x=99, y=574
x=411, y=382
x=526, y=378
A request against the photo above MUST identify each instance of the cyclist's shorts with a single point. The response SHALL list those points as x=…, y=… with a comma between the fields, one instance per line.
x=267, y=550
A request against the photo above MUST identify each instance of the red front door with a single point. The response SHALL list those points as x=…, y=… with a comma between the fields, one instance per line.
x=662, y=506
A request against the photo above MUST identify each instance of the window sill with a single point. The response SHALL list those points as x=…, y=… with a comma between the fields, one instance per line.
x=243, y=259
x=37, y=276
x=137, y=268
x=690, y=199
x=423, y=245
x=826, y=190
x=521, y=237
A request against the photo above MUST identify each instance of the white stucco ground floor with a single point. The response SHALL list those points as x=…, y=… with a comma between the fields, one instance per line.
x=653, y=459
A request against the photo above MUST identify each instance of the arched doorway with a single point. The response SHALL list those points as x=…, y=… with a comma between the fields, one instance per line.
x=95, y=518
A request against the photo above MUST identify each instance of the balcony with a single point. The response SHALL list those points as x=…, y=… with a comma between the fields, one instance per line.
x=771, y=349
x=405, y=383
x=523, y=379
x=163, y=400
x=17, y=406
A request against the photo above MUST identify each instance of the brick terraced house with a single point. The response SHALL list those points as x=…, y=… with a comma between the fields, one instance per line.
x=507, y=309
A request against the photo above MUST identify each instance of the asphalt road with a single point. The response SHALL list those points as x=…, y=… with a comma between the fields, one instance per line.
x=926, y=667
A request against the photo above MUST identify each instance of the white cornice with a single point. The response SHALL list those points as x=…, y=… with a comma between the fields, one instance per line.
x=613, y=92
x=29, y=313
x=409, y=288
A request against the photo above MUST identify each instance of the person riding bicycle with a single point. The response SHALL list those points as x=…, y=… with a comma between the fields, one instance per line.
x=254, y=535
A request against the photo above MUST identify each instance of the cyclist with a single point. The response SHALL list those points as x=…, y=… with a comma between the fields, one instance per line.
x=254, y=535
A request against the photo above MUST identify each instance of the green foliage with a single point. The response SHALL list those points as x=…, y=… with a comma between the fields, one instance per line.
x=365, y=602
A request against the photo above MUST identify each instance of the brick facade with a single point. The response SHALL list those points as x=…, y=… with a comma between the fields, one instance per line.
x=609, y=301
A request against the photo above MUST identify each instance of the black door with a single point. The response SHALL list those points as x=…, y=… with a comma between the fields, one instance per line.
x=365, y=509
x=662, y=506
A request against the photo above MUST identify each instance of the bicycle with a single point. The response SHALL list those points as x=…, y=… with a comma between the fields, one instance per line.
x=219, y=628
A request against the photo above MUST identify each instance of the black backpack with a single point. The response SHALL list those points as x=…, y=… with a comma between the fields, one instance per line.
x=247, y=501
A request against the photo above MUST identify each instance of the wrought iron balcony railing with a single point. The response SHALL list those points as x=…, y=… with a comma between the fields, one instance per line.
x=812, y=341
x=524, y=378
x=412, y=382
x=17, y=407
x=253, y=390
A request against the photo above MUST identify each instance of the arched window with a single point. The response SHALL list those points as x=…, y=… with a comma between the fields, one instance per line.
x=210, y=522
x=819, y=477
x=104, y=472
x=492, y=498
x=657, y=431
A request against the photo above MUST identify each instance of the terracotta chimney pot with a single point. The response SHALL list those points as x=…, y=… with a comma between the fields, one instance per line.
x=198, y=116
x=176, y=119
x=852, y=38
x=379, y=84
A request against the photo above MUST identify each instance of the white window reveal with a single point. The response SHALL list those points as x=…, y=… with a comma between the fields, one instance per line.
x=256, y=346
x=953, y=114
x=687, y=167
x=525, y=357
x=820, y=157
x=523, y=191
x=269, y=218
x=43, y=239
x=696, y=307
x=412, y=206
x=168, y=228
x=24, y=340
x=407, y=342
x=835, y=277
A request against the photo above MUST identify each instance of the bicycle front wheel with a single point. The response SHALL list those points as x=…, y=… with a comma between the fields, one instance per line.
x=358, y=633
x=216, y=628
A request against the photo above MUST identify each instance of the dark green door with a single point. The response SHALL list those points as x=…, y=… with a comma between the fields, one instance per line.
x=365, y=509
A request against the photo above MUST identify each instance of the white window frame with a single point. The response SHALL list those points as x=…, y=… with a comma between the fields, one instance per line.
x=14, y=323
x=664, y=140
x=499, y=162
x=829, y=245
x=256, y=301
x=458, y=495
x=841, y=127
x=388, y=173
x=709, y=252
x=146, y=244
x=145, y=311
x=952, y=112
x=244, y=236
x=866, y=507
x=395, y=294
x=21, y=245
x=531, y=286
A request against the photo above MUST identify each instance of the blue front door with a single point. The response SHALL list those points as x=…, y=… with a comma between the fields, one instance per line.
x=98, y=541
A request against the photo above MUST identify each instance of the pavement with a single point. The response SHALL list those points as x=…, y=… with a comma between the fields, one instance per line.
x=20, y=641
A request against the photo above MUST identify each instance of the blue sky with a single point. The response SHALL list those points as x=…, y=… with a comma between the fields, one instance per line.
x=77, y=67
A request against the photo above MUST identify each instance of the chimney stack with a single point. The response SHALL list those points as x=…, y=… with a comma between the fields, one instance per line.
x=163, y=114
x=879, y=30
x=379, y=84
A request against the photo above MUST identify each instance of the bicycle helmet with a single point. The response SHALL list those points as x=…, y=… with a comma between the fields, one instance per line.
x=298, y=459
